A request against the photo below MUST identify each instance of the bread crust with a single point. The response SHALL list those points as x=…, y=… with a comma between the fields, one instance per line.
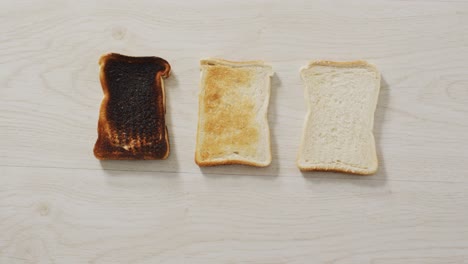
x=231, y=161
x=218, y=61
x=336, y=168
x=113, y=142
x=343, y=168
x=356, y=63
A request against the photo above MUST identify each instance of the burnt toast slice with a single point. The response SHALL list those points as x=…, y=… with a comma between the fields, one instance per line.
x=131, y=122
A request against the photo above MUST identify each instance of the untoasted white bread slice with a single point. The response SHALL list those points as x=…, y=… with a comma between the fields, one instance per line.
x=232, y=118
x=341, y=99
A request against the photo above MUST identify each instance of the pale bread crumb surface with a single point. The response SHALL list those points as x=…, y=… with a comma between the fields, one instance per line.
x=233, y=104
x=337, y=135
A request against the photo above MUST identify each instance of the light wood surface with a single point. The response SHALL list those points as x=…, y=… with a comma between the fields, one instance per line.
x=58, y=204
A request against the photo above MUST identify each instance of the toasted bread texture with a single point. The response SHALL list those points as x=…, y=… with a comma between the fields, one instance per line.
x=132, y=117
x=233, y=106
x=338, y=129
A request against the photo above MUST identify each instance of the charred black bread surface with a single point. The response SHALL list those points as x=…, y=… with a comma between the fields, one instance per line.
x=135, y=110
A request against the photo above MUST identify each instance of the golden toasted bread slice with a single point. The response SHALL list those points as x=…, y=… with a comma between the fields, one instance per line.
x=132, y=116
x=233, y=105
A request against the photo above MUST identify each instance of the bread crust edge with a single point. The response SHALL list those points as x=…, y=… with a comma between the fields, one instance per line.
x=219, y=61
x=341, y=64
x=212, y=163
x=341, y=169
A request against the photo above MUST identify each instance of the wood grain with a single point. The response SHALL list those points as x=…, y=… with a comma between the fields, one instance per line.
x=58, y=204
